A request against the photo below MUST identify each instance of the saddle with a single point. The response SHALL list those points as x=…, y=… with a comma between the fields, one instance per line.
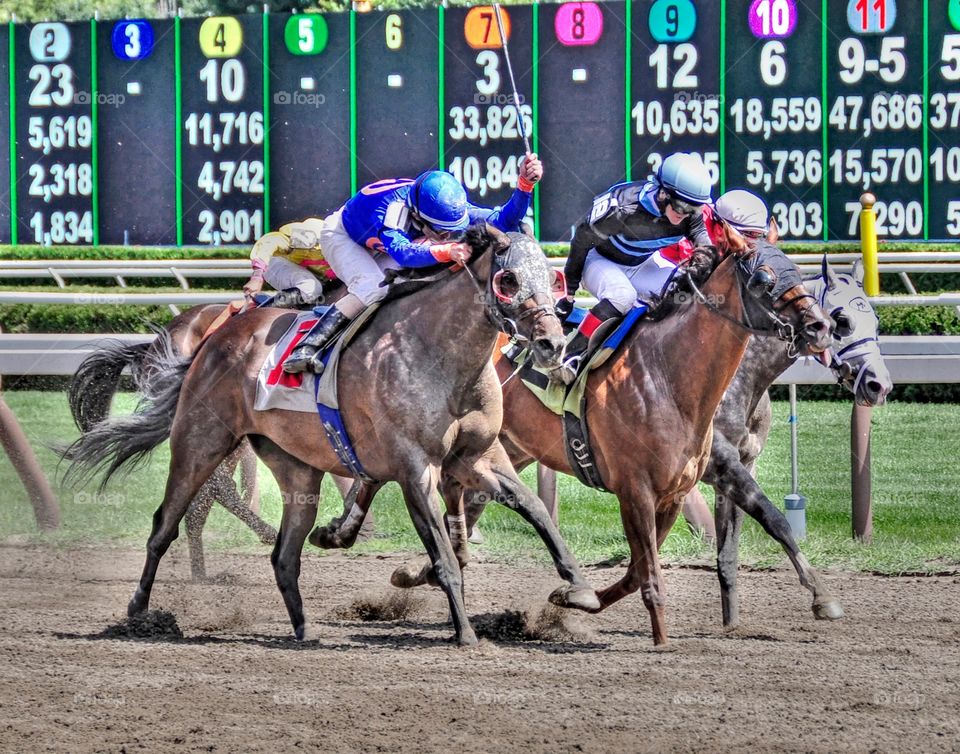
x=569, y=402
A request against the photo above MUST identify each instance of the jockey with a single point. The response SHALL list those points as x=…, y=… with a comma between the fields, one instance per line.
x=400, y=223
x=291, y=261
x=628, y=246
x=741, y=210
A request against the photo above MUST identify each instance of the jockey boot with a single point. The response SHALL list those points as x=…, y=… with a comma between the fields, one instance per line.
x=305, y=357
x=577, y=347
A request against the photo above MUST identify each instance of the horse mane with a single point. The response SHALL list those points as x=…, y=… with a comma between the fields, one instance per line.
x=405, y=281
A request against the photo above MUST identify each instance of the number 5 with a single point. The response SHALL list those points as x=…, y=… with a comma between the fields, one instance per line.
x=951, y=57
x=305, y=37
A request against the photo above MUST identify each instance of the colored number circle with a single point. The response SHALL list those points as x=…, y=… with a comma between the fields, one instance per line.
x=871, y=16
x=221, y=37
x=132, y=40
x=953, y=12
x=480, y=27
x=306, y=34
x=578, y=24
x=672, y=20
x=50, y=43
x=772, y=19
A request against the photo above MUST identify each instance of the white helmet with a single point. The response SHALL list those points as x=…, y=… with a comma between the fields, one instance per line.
x=745, y=211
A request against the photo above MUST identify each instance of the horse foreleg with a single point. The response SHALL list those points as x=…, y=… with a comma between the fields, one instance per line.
x=194, y=454
x=495, y=475
x=196, y=518
x=342, y=532
x=729, y=521
x=420, y=495
x=408, y=577
x=640, y=524
x=698, y=517
x=734, y=481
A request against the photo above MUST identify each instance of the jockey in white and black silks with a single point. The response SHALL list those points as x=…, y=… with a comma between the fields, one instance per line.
x=290, y=259
x=628, y=246
x=402, y=222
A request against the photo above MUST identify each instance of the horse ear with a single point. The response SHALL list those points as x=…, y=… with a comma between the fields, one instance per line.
x=773, y=231
x=499, y=240
x=857, y=270
x=827, y=273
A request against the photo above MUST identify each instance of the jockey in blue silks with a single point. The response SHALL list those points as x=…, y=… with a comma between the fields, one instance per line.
x=400, y=223
x=628, y=246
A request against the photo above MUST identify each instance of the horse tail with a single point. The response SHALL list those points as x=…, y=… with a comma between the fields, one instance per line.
x=97, y=379
x=128, y=440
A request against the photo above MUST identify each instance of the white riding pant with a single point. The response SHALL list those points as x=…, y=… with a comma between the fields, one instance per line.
x=282, y=274
x=359, y=269
x=622, y=285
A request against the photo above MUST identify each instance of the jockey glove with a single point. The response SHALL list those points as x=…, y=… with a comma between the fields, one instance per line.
x=702, y=262
x=563, y=308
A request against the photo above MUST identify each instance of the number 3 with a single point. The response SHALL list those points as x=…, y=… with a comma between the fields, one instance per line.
x=132, y=47
x=490, y=83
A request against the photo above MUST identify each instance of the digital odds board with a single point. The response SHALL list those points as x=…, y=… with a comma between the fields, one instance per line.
x=213, y=130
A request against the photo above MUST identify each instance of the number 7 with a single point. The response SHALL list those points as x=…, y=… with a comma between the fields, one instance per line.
x=488, y=17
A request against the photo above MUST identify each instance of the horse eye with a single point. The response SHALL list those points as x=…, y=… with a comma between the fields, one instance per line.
x=844, y=325
x=509, y=284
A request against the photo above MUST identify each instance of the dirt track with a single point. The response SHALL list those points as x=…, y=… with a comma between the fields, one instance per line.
x=886, y=678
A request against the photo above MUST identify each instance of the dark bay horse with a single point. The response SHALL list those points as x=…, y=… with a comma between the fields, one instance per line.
x=420, y=399
x=651, y=406
x=743, y=420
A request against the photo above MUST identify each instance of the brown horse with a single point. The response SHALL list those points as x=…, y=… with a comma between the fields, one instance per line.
x=420, y=398
x=97, y=380
x=651, y=407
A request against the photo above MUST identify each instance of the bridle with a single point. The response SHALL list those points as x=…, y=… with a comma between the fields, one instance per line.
x=782, y=329
x=840, y=368
x=502, y=310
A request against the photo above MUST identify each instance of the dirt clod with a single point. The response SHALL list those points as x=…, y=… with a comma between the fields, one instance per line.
x=153, y=624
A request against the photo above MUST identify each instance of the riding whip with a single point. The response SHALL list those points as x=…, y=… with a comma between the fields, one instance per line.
x=513, y=81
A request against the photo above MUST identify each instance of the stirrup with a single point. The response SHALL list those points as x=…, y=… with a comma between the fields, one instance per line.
x=567, y=372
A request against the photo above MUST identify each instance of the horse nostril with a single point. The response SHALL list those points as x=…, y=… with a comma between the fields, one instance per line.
x=549, y=347
x=875, y=387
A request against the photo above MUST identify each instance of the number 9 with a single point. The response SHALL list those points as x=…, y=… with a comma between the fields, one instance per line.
x=673, y=19
x=394, y=31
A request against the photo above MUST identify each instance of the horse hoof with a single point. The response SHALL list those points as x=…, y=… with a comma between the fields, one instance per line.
x=828, y=610
x=323, y=538
x=135, y=607
x=406, y=577
x=577, y=598
x=467, y=638
x=300, y=632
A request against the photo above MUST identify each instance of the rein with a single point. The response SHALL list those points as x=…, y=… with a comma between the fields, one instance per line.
x=783, y=330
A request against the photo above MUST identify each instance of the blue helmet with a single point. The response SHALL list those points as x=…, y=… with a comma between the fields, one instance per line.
x=685, y=176
x=439, y=201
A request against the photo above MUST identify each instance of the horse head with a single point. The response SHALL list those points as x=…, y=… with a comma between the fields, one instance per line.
x=856, y=358
x=778, y=299
x=521, y=289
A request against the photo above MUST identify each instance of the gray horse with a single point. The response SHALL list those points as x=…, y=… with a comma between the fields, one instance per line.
x=742, y=424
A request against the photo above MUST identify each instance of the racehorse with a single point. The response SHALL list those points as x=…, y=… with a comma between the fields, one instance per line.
x=743, y=420
x=651, y=406
x=419, y=396
x=97, y=379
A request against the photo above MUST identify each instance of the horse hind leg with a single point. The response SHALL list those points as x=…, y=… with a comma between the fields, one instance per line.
x=196, y=449
x=729, y=522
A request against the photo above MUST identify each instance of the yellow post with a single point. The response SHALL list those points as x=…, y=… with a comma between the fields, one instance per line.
x=868, y=245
